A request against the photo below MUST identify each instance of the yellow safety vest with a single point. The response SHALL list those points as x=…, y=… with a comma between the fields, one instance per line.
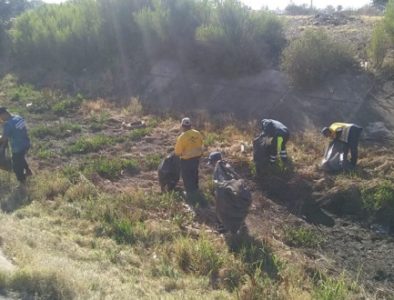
x=189, y=144
x=344, y=128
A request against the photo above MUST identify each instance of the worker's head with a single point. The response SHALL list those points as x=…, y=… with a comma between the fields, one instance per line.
x=214, y=157
x=262, y=123
x=326, y=132
x=4, y=114
x=186, y=124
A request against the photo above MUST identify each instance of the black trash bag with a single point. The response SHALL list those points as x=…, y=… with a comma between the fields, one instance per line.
x=233, y=200
x=262, y=146
x=169, y=172
x=223, y=171
x=334, y=160
x=5, y=159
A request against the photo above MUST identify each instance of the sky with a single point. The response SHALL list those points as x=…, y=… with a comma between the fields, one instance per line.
x=274, y=4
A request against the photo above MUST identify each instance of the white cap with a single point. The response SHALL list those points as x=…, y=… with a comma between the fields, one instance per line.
x=186, y=122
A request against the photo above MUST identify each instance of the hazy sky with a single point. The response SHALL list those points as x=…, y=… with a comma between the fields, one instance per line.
x=273, y=4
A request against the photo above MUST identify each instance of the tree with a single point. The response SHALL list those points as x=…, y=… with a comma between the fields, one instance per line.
x=381, y=4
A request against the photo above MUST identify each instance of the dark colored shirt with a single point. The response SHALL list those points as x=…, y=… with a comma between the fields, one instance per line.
x=273, y=128
x=16, y=132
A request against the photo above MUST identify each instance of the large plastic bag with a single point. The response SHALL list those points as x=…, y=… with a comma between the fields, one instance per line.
x=5, y=159
x=262, y=148
x=334, y=160
x=233, y=200
x=169, y=172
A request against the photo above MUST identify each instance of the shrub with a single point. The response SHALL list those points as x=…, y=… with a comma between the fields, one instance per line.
x=315, y=56
x=378, y=46
x=237, y=40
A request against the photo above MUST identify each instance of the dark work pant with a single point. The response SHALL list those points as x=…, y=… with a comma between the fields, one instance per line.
x=352, y=144
x=20, y=165
x=274, y=147
x=189, y=171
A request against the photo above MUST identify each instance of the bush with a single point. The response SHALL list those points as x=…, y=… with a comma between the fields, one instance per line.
x=382, y=37
x=314, y=57
x=237, y=40
x=299, y=10
x=77, y=35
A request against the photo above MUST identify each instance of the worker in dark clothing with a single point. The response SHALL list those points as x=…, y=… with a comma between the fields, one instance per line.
x=15, y=131
x=279, y=134
x=349, y=134
x=189, y=148
x=222, y=169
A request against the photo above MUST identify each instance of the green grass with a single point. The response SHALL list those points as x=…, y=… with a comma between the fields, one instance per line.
x=111, y=168
x=328, y=288
x=152, y=161
x=139, y=133
x=98, y=121
x=302, y=237
x=88, y=144
x=63, y=107
x=57, y=131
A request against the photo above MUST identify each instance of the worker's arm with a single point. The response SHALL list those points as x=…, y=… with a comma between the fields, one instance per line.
x=4, y=136
x=178, y=147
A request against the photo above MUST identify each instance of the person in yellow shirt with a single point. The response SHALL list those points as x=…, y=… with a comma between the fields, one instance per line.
x=349, y=134
x=189, y=148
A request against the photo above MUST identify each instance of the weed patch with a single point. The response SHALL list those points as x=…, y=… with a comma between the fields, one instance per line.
x=302, y=237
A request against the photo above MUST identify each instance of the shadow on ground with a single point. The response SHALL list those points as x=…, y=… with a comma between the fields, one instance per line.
x=16, y=199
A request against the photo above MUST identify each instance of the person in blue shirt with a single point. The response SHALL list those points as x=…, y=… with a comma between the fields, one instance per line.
x=15, y=132
x=280, y=136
